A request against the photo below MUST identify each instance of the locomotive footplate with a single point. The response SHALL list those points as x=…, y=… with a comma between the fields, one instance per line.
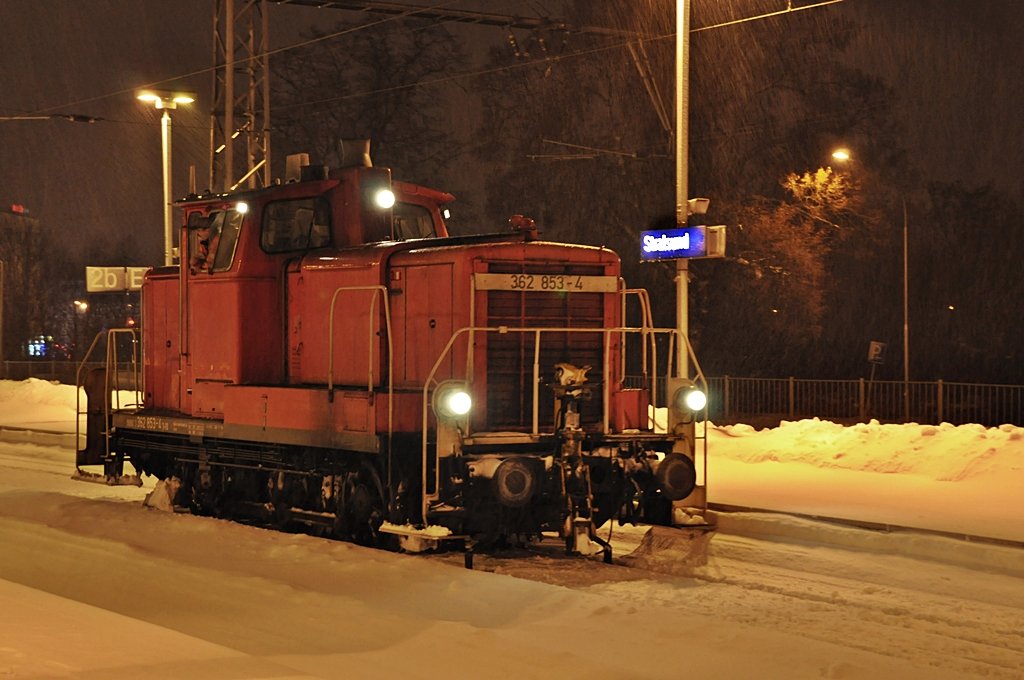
x=432, y=537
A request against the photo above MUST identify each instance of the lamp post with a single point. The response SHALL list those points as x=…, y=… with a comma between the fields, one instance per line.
x=682, y=179
x=844, y=155
x=3, y=366
x=906, y=321
x=165, y=100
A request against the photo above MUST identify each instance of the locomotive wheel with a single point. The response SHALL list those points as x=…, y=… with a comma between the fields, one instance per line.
x=361, y=508
x=514, y=483
x=676, y=476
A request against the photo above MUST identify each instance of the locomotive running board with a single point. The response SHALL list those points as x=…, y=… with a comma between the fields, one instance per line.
x=413, y=540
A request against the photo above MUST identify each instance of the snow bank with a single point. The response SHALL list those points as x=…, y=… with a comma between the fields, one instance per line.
x=942, y=452
x=37, y=403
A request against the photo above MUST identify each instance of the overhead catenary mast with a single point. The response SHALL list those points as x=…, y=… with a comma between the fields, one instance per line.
x=240, y=110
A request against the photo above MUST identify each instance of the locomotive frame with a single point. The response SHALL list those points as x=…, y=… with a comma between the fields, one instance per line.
x=326, y=361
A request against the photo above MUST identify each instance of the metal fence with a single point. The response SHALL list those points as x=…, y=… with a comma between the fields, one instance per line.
x=63, y=371
x=768, y=401
x=765, y=401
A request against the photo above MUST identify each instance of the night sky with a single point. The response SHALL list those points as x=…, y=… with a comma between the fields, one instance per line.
x=955, y=66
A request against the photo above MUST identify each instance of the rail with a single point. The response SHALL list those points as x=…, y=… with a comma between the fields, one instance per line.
x=378, y=292
x=113, y=387
x=382, y=293
x=431, y=382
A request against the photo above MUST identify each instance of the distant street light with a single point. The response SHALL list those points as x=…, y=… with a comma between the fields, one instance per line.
x=81, y=307
x=164, y=100
x=844, y=155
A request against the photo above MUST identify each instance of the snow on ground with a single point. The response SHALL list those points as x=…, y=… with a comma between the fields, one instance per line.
x=964, y=479
x=94, y=585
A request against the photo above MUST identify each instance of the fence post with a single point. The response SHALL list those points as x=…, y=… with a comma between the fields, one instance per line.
x=726, y=402
x=938, y=400
x=861, y=404
x=792, y=398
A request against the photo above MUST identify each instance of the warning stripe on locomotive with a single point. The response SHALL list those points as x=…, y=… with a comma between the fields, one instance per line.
x=547, y=283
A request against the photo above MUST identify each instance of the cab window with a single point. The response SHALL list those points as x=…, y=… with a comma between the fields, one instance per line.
x=224, y=254
x=412, y=221
x=299, y=224
x=212, y=239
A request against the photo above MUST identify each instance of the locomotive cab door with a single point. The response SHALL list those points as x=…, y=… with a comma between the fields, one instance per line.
x=424, y=320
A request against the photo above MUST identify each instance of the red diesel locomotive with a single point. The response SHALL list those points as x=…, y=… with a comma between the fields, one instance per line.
x=328, y=355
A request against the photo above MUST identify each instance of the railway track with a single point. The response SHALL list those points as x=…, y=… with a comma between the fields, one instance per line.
x=884, y=527
x=58, y=437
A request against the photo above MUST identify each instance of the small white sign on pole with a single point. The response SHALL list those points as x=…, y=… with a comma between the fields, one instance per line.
x=113, y=279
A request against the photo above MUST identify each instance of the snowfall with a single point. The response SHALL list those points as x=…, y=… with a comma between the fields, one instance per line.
x=95, y=584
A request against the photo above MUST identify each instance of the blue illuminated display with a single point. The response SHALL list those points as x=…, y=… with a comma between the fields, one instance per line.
x=672, y=244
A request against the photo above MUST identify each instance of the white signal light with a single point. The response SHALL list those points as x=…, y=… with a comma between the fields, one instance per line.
x=459, y=403
x=452, y=400
x=241, y=207
x=696, y=400
x=690, y=397
x=384, y=198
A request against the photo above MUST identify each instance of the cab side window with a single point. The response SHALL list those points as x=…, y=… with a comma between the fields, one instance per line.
x=212, y=239
x=298, y=224
x=412, y=221
x=224, y=254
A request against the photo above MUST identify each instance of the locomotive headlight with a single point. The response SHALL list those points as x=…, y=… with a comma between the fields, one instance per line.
x=452, y=400
x=384, y=198
x=689, y=397
x=241, y=207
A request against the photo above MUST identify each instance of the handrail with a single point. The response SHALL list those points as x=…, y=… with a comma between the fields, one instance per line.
x=111, y=359
x=377, y=291
x=647, y=322
x=431, y=381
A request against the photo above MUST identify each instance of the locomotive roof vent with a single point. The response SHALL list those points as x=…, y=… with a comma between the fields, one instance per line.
x=354, y=153
x=293, y=164
x=298, y=169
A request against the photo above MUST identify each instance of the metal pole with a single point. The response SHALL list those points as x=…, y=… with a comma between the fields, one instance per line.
x=906, y=322
x=2, y=364
x=165, y=145
x=682, y=158
x=229, y=96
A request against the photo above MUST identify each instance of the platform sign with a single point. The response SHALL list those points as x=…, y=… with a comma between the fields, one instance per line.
x=673, y=244
x=114, y=279
x=133, y=277
x=876, y=352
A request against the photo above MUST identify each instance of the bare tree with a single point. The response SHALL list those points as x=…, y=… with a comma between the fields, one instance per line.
x=385, y=81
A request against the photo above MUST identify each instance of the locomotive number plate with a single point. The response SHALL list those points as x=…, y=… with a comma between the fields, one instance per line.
x=547, y=283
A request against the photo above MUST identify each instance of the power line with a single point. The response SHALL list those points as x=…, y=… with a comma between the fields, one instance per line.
x=70, y=117
x=414, y=11
x=231, y=64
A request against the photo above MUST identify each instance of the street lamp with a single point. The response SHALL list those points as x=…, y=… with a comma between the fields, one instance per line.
x=165, y=100
x=3, y=367
x=81, y=307
x=844, y=155
x=682, y=111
